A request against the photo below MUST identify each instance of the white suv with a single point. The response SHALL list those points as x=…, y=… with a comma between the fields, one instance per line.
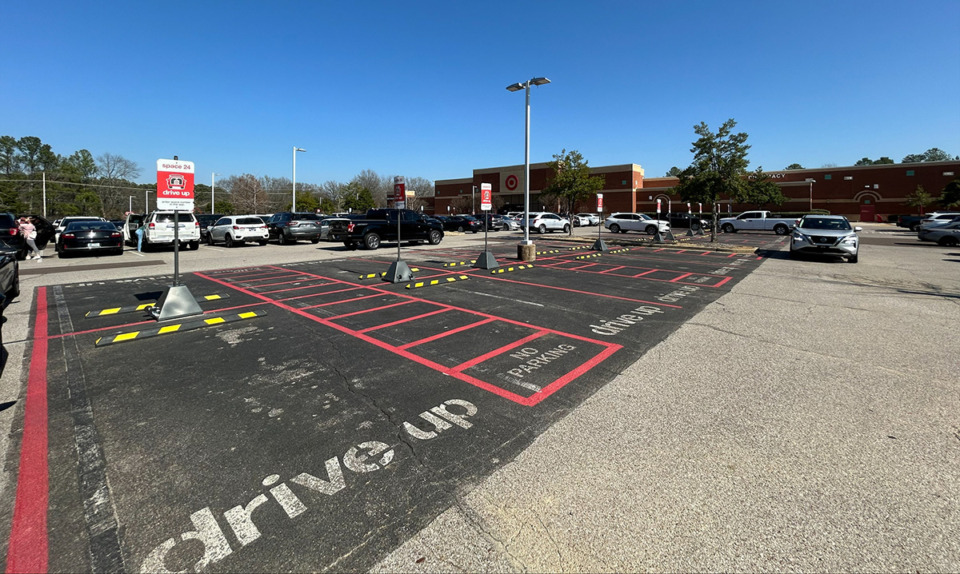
x=624, y=222
x=544, y=221
x=159, y=229
x=236, y=229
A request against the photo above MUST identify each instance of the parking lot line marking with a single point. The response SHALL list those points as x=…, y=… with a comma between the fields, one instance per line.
x=445, y=334
x=499, y=351
x=295, y=288
x=607, y=348
x=614, y=269
x=362, y=311
x=27, y=549
x=297, y=280
x=402, y=321
x=189, y=324
x=678, y=278
x=342, y=301
x=645, y=273
x=168, y=329
x=319, y=293
x=602, y=295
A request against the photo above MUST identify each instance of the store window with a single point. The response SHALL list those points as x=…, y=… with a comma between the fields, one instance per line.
x=828, y=176
x=910, y=173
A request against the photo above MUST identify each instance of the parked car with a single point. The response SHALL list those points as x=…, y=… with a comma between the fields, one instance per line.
x=947, y=235
x=627, y=221
x=511, y=223
x=9, y=276
x=206, y=220
x=327, y=223
x=89, y=237
x=289, y=227
x=160, y=229
x=938, y=218
x=491, y=221
x=10, y=238
x=544, y=221
x=588, y=219
x=461, y=223
x=235, y=230
x=69, y=219
x=825, y=235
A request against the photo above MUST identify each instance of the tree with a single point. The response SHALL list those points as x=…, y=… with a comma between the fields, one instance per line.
x=36, y=156
x=794, y=166
x=920, y=198
x=867, y=161
x=570, y=181
x=719, y=163
x=379, y=187
x=674, y=172
x=950, y=197
x=116, y=176
x=357, y=198
x=9, y=162
x=932, y=154
x=246, y=194
x=761, y=191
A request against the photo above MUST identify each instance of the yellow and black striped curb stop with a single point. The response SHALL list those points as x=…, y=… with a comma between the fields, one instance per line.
x=507, y=269
x=576, y=248
x=459, y=263
x=187, y=325
x=548, y=252
x=144, y=306
x=588, y=256
x=618, y=251
x=383, y=274
x=443, y=281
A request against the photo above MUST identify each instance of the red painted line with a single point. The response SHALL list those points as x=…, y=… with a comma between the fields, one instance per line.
x=497, y=352
x=28, y=550
x=317, y=294
x=262, y=285
x=645, y=273
x=732, y=255
x=402, y=321
x=264, y=277
x=341, y=301
x=725, y=279
x=584, y=293
x=613, y=269
x=291, y=288
x=679, y=277
x=706, y=253
x=609, y=348
x=446, y=334
x=370, y=310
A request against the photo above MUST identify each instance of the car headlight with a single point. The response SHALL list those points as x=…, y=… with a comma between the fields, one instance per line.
x=797, y=236
x=850, y=240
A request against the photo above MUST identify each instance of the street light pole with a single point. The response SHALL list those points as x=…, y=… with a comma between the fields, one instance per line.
x=130, y=207
x=526, y=153
x=213, y=191
x=293, y=207
x=146, y=201
x=811, y=181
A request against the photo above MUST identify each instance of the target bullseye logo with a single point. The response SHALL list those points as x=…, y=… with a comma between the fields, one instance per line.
x=512, y=182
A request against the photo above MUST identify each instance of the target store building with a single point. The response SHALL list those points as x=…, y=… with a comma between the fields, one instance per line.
x=861, y=193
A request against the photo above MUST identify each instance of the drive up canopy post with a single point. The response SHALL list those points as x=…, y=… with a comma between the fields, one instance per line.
x=657, y=238
x=486, y=260
x=399, y=271
x=599, y=245
x=175, y=192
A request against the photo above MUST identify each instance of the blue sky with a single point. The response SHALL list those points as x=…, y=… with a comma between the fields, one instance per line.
x=418, y=88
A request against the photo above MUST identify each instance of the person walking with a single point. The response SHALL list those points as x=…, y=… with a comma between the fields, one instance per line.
x=29, y=232
x=140, y=232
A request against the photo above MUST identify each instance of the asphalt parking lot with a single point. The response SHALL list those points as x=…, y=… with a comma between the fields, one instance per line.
x=317, y=418
x=314, y=417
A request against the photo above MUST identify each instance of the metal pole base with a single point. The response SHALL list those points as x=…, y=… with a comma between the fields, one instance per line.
x=398, y=272
x=599, y=245
x=486, y=260
x=700, y=230
x=657, y=238
x=690, y=232
x=176, y=302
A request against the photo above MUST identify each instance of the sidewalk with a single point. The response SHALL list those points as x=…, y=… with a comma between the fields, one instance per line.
x=806, y=421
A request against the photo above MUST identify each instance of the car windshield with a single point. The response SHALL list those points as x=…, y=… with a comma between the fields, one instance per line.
x=249, y=221
x=824, y=223
x=645, y=216
x=90, y=226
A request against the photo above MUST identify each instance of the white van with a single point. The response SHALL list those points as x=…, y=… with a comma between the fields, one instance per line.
x=159, y=229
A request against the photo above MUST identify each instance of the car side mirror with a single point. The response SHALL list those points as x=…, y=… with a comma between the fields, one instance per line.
x=858, y=229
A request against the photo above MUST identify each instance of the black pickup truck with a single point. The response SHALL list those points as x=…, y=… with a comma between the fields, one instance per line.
x=381, y=225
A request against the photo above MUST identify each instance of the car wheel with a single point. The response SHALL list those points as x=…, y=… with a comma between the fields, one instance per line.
x=948, y=241
x=915, y=227
x=542, y=229
x=566, y=228
x=209, y=239
x=118, y=251
x=371, y=241
x=435, y=237
x=728, y=228
x=854, y=258
x=651, y=229
x=793, y=254
x=195, y=245
x=315, y=240
x=614, y=228
x=780, y=229
x=282, y=239
x=228, y=240
x=460, y=229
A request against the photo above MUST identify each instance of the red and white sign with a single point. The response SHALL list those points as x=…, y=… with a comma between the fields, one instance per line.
x=174, y=185
x=689, y=210
x=701, y=209
x=486, y=197
x=658, y=206
x=399, y=192
x=511, y=182
x=599, y=203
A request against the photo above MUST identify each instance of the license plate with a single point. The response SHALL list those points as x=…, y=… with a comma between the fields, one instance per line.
x=93, y=245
